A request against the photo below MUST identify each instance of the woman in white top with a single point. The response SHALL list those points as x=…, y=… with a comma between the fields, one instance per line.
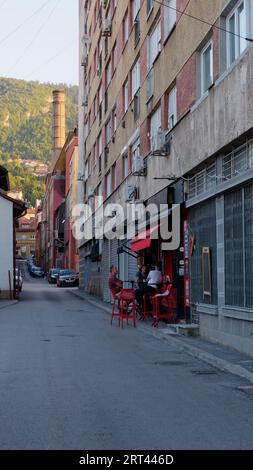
x=155, y=277
x=153, y=281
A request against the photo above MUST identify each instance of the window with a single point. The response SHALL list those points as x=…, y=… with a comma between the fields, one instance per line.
x=136, y=20
x=89, y=164
x=237, y=25
x=108, y=184
x=106, y=46
x=98, y=199
x=234, y=249
x=100, y=146
x=114, y=58
x=125, y=96
x=100, y=150
x=155, y=123
x=239, y=247
x=136, y=8
x=135, y=78
x=113, y=176
x=206, y=67
x=172, y=108
x=154, y=45
x=125, y=29
x=108, y=74
x=108, y=132
x=114, y=120
x=203, y=225
x=100, y=99
x=125, y=165
x=86, y=171
x=135, y=151
x=170, y=16
x=150, y=6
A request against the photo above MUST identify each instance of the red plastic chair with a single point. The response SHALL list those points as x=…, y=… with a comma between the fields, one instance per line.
x=148, y=305
x=115, y=306
x=127, y=306
x=165, y=306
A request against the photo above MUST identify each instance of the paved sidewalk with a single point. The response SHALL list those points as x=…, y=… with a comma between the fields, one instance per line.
x=7, y=303
x=217, y=355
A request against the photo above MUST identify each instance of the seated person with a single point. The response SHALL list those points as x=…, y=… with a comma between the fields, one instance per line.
x=115, y=285
x=141, y=276
x=153, y=281
x=155, y=277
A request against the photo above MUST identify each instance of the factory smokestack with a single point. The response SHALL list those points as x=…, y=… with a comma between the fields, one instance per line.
x=59, y=124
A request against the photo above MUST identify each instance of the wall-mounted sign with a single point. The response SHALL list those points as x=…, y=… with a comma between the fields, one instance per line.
x=187, y=293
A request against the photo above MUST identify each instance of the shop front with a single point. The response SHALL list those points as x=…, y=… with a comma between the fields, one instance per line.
x=149, y=248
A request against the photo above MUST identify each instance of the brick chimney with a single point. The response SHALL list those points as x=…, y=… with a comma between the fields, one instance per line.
x=59, y=124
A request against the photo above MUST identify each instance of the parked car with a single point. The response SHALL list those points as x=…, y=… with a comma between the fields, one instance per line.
x=30, y=265
x=52, y=275
x=67, y=278
x=37, y=272
x=19, y=279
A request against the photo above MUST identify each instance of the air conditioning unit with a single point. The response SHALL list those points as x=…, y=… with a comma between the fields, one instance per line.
x=158, y=144
x=107, y=27
x=56, y=234
x=138, y=166
x=86, y=39
x=85, y=101
x=90, y=192
x=84, y=60
x=131, y=192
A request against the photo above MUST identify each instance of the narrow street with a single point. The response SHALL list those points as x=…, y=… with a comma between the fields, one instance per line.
x=69, y=380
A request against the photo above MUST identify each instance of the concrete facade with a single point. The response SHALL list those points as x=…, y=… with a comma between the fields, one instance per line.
x=71, y=256
x=212, y=120
x=6, y=244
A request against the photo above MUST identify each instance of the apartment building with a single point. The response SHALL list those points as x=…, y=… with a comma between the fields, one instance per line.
x=71, y=257
x=166, y=118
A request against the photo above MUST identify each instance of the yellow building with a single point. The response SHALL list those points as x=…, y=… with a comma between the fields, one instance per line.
x=25, y=237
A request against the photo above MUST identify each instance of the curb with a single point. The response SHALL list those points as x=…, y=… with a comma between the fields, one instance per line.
x=194, y=351
x=14, y=302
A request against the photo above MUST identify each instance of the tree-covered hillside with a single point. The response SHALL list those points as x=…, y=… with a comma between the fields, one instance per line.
x=26, y=118
x=26, y=128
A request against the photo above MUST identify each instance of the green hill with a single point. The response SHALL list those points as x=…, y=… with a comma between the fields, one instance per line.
x=26, y=126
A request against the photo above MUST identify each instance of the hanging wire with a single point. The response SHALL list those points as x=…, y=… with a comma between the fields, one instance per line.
x=2, y=3
x=202, y=21
x=64, y=49
x=34, y=38
x=24, y=22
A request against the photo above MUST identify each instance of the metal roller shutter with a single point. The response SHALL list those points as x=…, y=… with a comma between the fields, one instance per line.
x=87, y=273
x=105, y=269
x=114, y=259
x=132, y=266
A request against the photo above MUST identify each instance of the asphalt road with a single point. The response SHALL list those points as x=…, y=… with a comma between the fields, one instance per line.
x=68, y=380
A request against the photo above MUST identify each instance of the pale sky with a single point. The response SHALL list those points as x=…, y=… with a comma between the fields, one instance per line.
x=39, y=45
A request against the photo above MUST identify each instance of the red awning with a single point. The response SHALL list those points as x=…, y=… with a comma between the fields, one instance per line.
x=143, y=240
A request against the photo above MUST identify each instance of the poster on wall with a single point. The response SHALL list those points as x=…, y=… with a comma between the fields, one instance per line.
x=187, y=293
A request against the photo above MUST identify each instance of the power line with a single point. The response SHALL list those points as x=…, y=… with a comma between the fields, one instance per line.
x=34, y=37
x=2, y=4
x=203, y=21
x=23, y=23
x=50, y=60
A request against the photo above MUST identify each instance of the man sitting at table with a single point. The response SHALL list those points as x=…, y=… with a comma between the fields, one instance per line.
x=115, y=285
x=154, y=280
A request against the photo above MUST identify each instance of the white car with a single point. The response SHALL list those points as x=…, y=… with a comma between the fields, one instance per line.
x=19, y=279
